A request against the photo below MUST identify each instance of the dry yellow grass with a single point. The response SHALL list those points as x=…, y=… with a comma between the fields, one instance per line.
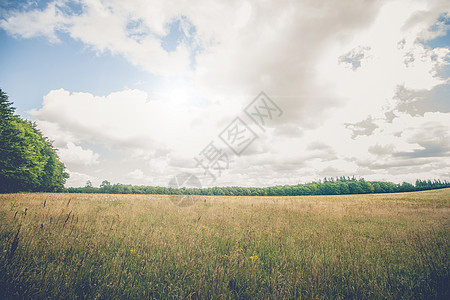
x=145, y=246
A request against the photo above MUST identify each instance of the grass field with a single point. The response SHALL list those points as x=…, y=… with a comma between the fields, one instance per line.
x=393, y=246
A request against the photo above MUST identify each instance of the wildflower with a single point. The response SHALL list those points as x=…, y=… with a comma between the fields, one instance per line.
x=132, y=250
x=430, y=222
x=277, y=231
x=204, y=227
x=254, y=257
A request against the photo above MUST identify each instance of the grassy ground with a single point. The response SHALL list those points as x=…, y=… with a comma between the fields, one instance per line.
x=143, y=246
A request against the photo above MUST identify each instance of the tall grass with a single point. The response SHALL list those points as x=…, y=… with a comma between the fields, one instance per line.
x=140, y=246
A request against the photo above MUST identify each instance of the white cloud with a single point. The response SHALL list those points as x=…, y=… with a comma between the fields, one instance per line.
x=136, y=174
x=134, y=31
x=77, y=155
x=158, y=135
x=112, y=27
x=35, y=23
x=125, y=119
x=335, y=68
x=78, y=179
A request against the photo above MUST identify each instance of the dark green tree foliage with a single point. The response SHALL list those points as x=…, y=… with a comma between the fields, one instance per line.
x=329, y=186
x=422, y=185
x=28, y=161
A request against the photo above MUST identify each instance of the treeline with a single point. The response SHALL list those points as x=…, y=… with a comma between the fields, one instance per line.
x=28, y=161
x=328, y=186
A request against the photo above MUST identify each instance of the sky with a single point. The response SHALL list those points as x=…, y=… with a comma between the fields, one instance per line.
x=242, y=93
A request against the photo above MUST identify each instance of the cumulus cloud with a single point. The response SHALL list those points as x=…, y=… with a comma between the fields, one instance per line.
x=112, y=119
x=77, y=155
x=34, y=23
x=422, y=142
x=418, y=102
x=353, y=58
x=133, y=30
x=362, y=93
x=126, y=119
x=78, y=179
x=365, y=127
x=136, y=174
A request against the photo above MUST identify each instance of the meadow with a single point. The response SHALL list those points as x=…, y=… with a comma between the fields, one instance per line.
x=100, y=246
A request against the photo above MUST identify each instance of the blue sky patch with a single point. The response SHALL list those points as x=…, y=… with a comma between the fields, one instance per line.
x=137, y=30
x=72, y=8
x=33, y=67
x=182, y=31
x=442, y=41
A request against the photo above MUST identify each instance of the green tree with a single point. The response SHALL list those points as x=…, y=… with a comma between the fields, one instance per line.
x=105, y=186
x=28, y=161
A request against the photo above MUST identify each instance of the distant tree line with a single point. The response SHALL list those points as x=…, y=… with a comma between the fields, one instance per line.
x=327, y=186
x=28, y=161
